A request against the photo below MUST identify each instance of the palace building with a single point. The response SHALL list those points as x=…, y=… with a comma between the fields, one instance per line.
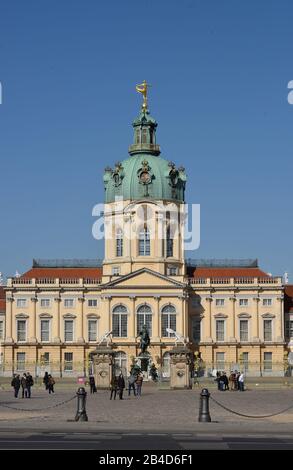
x=232, y=312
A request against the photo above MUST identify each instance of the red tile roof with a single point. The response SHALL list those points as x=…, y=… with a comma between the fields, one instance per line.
x=288, y=298
x=63, y=273
x=202, y=272
x=2, y=300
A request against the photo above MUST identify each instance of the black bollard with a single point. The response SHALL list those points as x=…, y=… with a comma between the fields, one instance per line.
x=204, y=412
x=81, y=411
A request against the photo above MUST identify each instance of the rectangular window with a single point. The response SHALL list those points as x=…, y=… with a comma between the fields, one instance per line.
x=243, y=330
x=115, y=271
x=267, y=327
x=144, y=243
x=196, y=330
x=170, y=245
x=173, y=271
x=21, y=303
x=243, y=302
x=220, y=302
x=45, y=359
x=120, y=325
x=289, y=329
x=20, y=361
x=92, y=330
x=268, y=361
x=92, y=303
x=68, y=330
x=45, y=303
x=220, y=361
x=267, y=302
x=119, y=246
x=45, y=330
x=1, y=330
x=245, y=361
x=68, y=303
x=21, y=330
x=220, y=330
x=68, y=361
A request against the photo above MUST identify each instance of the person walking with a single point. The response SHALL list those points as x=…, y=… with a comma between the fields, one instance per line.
x=237, y=375
x=121, y=385
x=46, y=380
x=51, y=383
x=15, y=383
x=29, y=384
x=222, y=382
x=114, y=386
x=23, y=385
x=241, y=382
x=217, y=379
x=138, y=382
x=93, y=384
x=232, y=380
x=131, y=384
x=226, y=382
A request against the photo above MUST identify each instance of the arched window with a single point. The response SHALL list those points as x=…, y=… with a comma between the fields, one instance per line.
x=144, y=317
x=120, y=363
x=119, y=242
x=119, y=321
x=166, y=365
x=144, y=248
x=168, y=320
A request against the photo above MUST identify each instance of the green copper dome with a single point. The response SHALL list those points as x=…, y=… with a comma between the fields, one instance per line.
x=144, y=174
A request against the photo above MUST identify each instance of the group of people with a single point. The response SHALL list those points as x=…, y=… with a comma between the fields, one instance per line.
x=234, y=382
x=49, y=382
x=134, y=383
x=25, y=382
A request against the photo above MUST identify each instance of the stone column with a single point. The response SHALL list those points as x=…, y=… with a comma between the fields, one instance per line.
x=156, y=320
x=256, y=323
x=33, y=339
x=233, y=323
x=57, y=339
x=180, y=368
x=132, y=318
x=9, y=321
x=108, y=323
x=80, y=330
x=280, y=330
x=208, y=322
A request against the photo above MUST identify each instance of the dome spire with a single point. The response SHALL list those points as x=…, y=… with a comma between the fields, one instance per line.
x=144, y=127
x=143, y=89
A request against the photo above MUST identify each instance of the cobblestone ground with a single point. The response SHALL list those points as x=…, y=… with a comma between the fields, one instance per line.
x=155, y=408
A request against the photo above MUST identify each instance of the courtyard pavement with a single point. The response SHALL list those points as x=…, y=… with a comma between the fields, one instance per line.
x=160, y=409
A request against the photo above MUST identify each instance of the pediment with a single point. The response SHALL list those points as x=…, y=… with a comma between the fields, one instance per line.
x=144, y=278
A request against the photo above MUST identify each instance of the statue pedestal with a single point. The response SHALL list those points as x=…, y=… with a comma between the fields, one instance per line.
x=103, y=363
x=180, y=365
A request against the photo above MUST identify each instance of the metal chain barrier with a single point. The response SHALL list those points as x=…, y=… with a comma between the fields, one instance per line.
x=250, y=416
x=39, y=409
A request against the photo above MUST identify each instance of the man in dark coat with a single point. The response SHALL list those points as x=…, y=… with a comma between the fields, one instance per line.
x=114, y=386
x=29, y=384
x=92, y=384
x=23, y=386
x=46, y=380
x=121, y=385
x=16, y=384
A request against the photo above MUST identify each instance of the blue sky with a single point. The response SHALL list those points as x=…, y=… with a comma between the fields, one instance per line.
x=219, y=72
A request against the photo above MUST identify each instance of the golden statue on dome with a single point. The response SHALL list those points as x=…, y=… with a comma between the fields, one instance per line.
x=143, y=89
